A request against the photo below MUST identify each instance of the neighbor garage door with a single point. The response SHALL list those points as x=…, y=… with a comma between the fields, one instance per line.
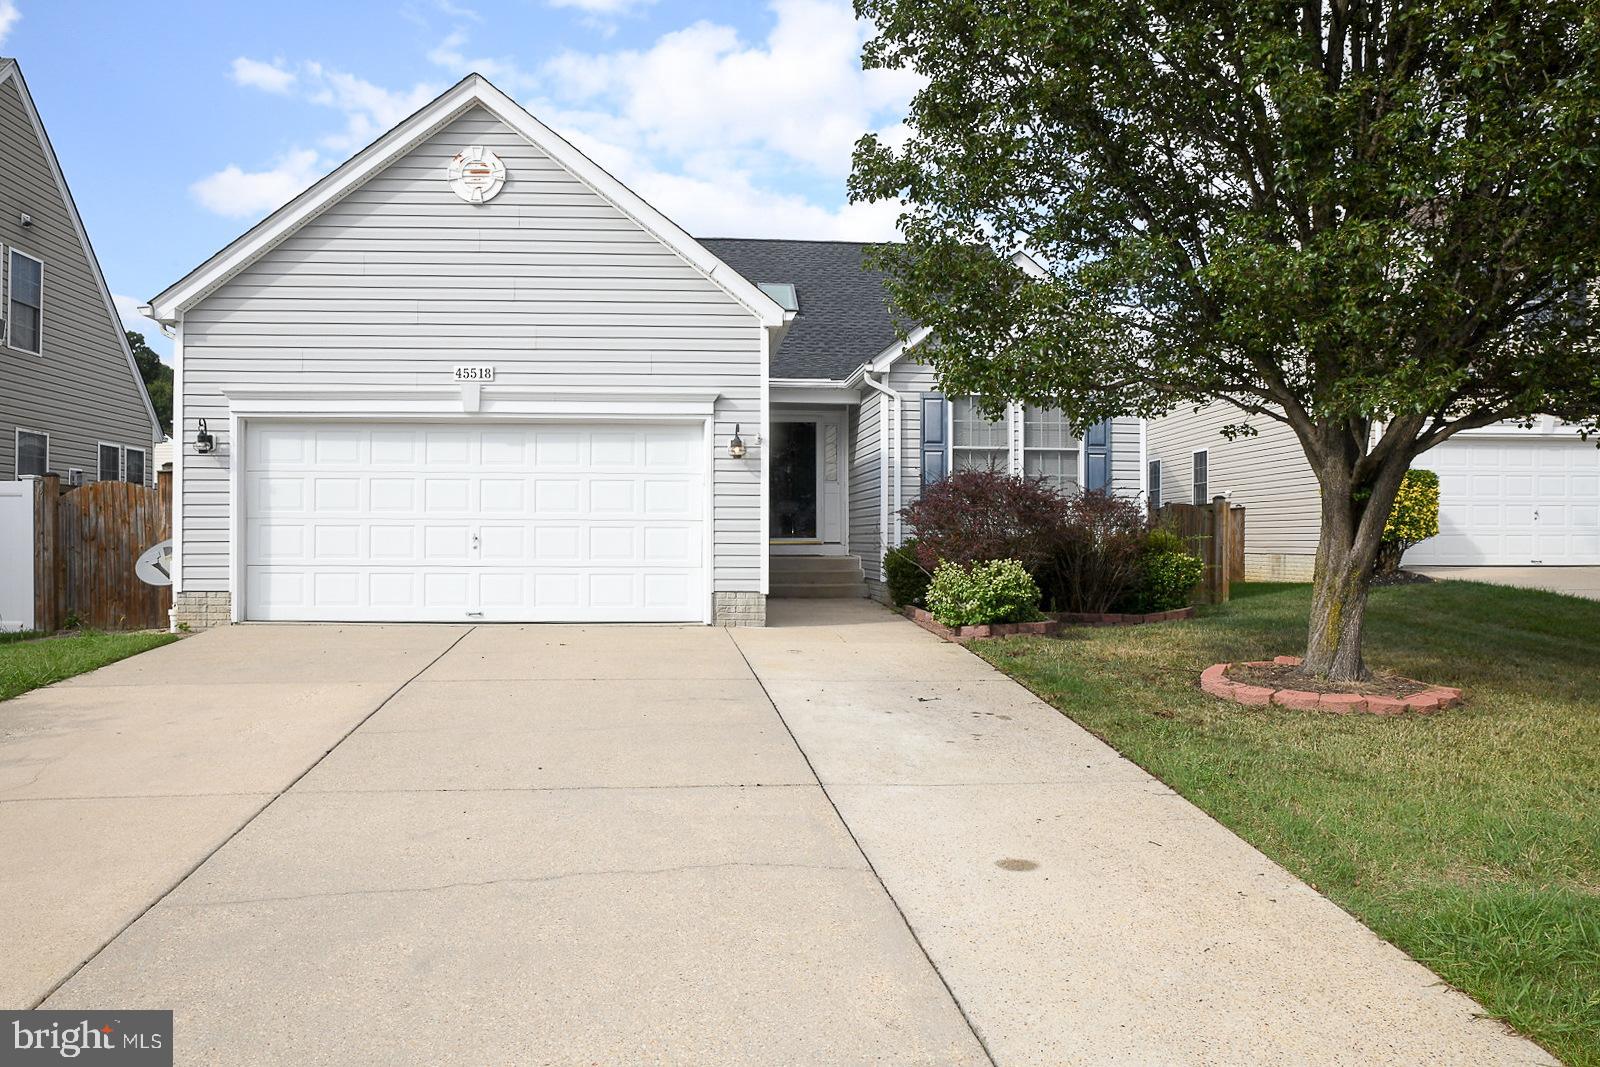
x=537, y=522
x=1511, y=503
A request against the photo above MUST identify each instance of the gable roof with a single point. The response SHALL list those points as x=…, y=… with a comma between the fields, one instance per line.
x=472, y=91
x=844, y=318
x=11, y=71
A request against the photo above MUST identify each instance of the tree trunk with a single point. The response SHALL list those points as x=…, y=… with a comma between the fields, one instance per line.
x=1352, y=532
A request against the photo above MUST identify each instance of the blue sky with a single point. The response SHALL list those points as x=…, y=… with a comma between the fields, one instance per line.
x=180, y=124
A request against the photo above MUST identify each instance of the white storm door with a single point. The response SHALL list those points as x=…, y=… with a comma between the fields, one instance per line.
x=447, y=522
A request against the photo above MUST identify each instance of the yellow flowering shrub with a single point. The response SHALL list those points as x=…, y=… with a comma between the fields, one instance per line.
x=1414, y=518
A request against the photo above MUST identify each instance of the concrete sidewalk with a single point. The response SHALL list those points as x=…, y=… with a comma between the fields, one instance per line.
x=568, y=844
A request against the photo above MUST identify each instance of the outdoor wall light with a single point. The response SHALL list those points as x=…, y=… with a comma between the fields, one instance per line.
x=203, y=441
x=736, y=446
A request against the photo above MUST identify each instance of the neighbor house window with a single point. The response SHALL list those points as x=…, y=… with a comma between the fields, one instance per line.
x=1155, y=485
x=25, y=303
x=1049, y=447
x=977, y=443
x=1201, y=492
x=110, y=463
x=134, y=464
x=33, y=454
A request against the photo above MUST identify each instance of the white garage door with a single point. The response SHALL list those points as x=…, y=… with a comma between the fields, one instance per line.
x=439, y=522
x=1512, y=503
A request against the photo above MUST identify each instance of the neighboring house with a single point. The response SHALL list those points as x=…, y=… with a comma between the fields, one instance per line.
x=72, y=402
x=1507, y=496
x=470, y=375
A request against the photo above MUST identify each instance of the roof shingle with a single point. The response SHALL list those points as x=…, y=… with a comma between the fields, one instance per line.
x=844, y=318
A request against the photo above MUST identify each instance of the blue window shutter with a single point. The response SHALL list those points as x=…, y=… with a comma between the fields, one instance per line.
x=935, y=444
x=1097, y=456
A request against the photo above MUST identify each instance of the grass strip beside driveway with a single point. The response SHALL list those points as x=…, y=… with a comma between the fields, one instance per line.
x=29, y=663
x=1471, y=839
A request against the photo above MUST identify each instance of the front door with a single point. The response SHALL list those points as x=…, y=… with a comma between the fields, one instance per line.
x=794, y=482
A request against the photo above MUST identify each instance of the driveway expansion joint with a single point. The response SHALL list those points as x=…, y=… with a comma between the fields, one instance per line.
x=272, y=799
x=872, y=867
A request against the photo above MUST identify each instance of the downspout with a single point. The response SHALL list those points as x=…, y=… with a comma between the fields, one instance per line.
x=893, y=453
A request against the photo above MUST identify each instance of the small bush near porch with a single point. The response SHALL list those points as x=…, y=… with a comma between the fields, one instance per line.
x=1471, y=839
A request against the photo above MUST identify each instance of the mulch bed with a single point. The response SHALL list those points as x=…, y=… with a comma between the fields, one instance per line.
x=1277, y=682
x=1403, y=577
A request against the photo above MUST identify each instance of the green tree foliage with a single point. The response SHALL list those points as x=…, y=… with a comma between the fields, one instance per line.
x=156, y=375
x=1374, y=222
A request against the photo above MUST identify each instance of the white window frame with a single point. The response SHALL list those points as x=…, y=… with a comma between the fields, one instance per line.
x=1153, y=495
x=10, y=318
x=145, y=454
x=99, y=475
x=1009, y=448
x=16, y=456
x=1019, y=413
x=1193, y=496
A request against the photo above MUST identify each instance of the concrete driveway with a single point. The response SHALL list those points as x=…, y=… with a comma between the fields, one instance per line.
x=1573, y=581
x=834, y=840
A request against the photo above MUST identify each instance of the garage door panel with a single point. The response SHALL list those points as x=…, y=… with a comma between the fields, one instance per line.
x=514, y=523
x=1510, y=503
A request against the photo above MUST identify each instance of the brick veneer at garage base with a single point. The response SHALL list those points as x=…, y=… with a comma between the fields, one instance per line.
x=1214, y=680
x=201, y=611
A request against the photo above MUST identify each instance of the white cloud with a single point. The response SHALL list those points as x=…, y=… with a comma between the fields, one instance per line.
x=268, y=77
x=236, y=192
x=505, y=73
x=603, y=7
x=799, y=95
x=9, y=15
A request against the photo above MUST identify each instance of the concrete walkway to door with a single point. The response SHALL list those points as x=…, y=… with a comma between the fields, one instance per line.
x=834, y=840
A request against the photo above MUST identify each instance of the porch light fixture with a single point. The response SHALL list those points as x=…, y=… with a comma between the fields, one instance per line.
x=736, y=446
x=203, y=441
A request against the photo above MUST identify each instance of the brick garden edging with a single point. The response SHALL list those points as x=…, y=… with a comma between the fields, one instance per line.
x=1112, y=618
x=1214, y=680
x=1044, y=628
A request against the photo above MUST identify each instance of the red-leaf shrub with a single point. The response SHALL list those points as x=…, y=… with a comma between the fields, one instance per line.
x=1099, y=559
x=974, y=516
x=1083, y=549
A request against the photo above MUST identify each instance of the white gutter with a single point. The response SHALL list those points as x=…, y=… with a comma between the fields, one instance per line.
x=890, y=454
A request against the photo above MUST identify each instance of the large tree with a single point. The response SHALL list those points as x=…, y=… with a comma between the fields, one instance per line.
x=1374, y=222
x=157, y=377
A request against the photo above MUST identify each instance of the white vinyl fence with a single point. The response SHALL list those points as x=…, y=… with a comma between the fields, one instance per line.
x=16, y=555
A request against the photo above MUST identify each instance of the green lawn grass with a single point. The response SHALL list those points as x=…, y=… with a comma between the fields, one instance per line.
x=29, y=663
x=1471, y=838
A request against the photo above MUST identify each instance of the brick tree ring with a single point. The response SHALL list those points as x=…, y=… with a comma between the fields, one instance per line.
x=1215, y=681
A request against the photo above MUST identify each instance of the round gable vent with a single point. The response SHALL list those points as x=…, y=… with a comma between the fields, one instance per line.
x=476, y=174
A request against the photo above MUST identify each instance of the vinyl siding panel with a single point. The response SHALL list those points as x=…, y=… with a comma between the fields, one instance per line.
x=866, y=483
x=80, y=390
x=400, y=280
x=1267, y=474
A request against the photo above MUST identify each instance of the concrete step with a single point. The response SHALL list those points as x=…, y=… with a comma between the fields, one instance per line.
x=815, y=566
x=818, y=590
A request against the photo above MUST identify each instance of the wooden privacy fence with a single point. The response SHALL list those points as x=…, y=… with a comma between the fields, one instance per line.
x=1215, y=533
x=86, y=541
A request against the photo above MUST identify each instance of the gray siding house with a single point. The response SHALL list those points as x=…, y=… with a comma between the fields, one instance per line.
x=73, y=403
x=1508, y=495
x=470, y=375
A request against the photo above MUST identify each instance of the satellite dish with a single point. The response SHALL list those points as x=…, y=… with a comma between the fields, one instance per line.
x=155, y=565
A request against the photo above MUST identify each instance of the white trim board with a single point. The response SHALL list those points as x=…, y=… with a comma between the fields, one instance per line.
x=472, y=91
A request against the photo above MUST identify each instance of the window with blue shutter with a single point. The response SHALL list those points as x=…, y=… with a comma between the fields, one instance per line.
x=1097, y=456
x=935, y=443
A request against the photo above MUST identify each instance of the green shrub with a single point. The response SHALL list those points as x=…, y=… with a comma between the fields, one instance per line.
x=906, y=578
x=997, y=591
x=1413, y=519
x=1166, y=578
